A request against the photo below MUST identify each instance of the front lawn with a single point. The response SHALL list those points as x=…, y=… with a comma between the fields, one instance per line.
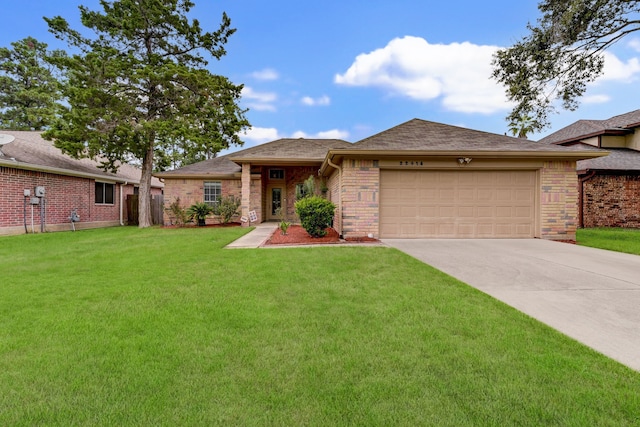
x=164, y=327
x=614, y=239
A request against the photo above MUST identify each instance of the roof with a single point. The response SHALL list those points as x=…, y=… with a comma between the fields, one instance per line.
x=281, y=151
x=28, y=150
x=423, y=135
x=300, y=149
x=619, y=159
x=616, y=125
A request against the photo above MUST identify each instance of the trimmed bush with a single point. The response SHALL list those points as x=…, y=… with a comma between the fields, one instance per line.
x=315, y=214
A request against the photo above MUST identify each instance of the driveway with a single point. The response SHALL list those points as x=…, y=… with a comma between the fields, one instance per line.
x=591, y=295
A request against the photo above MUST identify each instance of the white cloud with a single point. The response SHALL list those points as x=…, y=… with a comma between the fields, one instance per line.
x=595, y=99
x=458, y=73
x=260, y=135
x=323, y=100
x=260, y=101
x=266, y=74
x=634, y=44
x=329, y=134
x=616, y=69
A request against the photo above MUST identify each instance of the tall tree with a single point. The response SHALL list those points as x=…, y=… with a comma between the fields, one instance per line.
x=140, y=84
x=562, y=54
x=29, y=87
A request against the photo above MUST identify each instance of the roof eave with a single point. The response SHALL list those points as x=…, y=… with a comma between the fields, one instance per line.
x=273, y=161
x=162, y=175
x=67, y=172
x=334, y=155
x=612, y=132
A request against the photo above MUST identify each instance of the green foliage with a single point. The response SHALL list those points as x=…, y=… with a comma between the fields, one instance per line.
x=284, y=224
x=613, y=239
x=226, y=208
x=307, y=189
x=316, y=214
x=177, y=213
x=140, y=89
x=561, y=54
x=29, y=89
x=522, y=127
x=199, y=211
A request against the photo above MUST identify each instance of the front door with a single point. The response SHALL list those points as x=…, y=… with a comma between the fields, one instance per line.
x=275, y=194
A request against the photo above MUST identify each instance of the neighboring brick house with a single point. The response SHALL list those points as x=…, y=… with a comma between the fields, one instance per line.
x=609, y=187
x=40, y=187
x=418, y=179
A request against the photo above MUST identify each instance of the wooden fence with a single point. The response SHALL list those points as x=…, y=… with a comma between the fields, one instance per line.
x=157, y=207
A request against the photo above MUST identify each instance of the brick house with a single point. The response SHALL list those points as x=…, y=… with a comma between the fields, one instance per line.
x=40, y=187
x=418, y=179
x=609, y=187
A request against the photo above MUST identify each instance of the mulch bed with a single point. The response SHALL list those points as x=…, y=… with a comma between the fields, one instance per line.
x=296, y=235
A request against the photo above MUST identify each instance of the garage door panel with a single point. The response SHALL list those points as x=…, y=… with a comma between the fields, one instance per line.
x=450, y=204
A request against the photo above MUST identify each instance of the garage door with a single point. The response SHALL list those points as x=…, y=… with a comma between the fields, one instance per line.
x=457, y=204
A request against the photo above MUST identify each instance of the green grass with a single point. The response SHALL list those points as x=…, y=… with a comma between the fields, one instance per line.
x=614, y=239
x=164, y=327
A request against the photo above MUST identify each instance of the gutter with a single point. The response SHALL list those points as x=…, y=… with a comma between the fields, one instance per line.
x=59, y=171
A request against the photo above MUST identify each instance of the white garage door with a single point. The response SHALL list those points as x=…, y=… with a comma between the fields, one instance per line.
x=457, y=204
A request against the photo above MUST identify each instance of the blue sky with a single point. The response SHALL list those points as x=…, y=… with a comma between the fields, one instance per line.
x=351, y=68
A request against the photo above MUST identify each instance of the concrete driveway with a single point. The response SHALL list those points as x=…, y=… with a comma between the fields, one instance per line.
x=589, y=294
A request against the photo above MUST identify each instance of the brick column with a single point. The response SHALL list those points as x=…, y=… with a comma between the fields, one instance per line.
x=245, y=203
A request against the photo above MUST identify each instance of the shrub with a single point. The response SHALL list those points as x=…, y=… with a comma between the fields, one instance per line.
x=199, y=211
x=284, y=224
x=177, y=214
x=307, y=189
x=227, y=208
x=315, y=214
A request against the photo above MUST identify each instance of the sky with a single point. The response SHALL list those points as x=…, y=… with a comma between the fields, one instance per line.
x=349, y=69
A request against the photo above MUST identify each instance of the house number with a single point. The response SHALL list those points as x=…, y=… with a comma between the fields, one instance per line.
x=410, y=163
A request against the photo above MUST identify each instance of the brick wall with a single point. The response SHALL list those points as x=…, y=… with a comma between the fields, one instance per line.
x=360, y=198
x=333, y=184
x=558, y=201
x=62, y=194
x=611, y=201
x=191, y=191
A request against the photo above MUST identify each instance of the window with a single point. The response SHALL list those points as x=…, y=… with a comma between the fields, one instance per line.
x=276, y=173
x=212, y=192
x=301, y=191
x=104, y=193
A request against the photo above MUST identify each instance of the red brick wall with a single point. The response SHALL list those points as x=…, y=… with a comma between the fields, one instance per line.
x=62, y=194
x=611, y=201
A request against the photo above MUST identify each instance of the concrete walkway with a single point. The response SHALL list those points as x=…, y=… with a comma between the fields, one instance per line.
x=591, y=295
x=255, y=238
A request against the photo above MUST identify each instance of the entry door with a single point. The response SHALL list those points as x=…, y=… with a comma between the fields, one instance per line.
x=275, y=200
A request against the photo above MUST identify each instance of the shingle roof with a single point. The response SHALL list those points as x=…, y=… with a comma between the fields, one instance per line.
x=619, y=159
x=291, y=148
x=217, y=166
x=586, y=128
x=30, y=150
x=422, y=135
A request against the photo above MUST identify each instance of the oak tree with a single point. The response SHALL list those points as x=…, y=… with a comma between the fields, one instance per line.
x=139, y=83
x=29, y=87
x=561, y=54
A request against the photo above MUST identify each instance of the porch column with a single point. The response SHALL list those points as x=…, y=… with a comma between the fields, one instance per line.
x=245, y=203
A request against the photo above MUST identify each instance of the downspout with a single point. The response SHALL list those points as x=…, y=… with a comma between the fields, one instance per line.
x=121, y=202
x=339, y=169
x=582, y=180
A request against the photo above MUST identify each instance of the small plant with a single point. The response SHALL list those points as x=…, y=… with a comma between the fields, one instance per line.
x=307, y=189
x=177, y=214
x=284, y=224
x=227, y=208
x=315, y=214
x=199, y=211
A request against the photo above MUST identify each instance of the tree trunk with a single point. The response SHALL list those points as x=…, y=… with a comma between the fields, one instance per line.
x=144, y=198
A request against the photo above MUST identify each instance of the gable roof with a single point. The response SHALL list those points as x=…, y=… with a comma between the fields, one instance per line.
x=289, y=150
x=423, y=135
x=616, y=125
x=294, y=151
x=28, y=150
